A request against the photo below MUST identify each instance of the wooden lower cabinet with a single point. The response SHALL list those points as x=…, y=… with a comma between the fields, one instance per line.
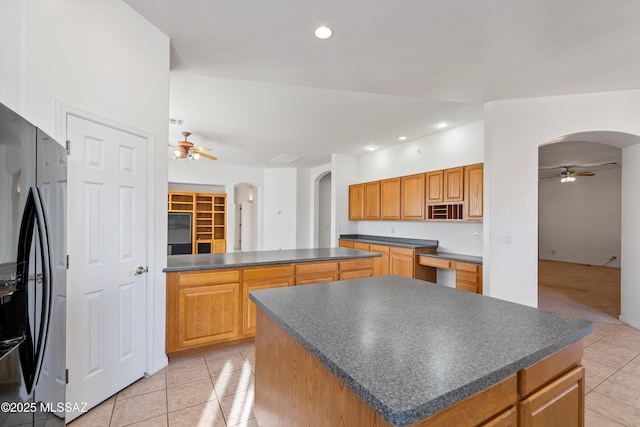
x=468, y=276
x=211, y=308
x=380, y=264
x=560, y=403
x=261, y=278
x=203, y=308
x=396, y=260
x=355, y=269
x=316, y=272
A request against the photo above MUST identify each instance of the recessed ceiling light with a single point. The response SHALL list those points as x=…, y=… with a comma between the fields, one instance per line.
x=402, y=138
x=372, y=147
x=323, y=32
x=442, y=125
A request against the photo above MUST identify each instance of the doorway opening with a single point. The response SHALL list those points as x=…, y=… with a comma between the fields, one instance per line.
x=246, y=217
x=579, y=227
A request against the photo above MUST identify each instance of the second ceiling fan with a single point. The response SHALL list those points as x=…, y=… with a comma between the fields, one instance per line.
x=569, y=175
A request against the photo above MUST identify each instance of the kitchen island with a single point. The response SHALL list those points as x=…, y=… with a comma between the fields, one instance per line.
x=391, y=350
x=208, y=294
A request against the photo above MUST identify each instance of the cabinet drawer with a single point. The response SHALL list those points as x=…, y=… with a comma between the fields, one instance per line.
x=434, y=262
x=208, y=278
x=467, y=266
x=467, y=278
x=361, y=246
x=316, y=267
x=346, y=244
x=402, y=251
x=531, y=378
x=317, y=278
x=379, y=249
x=263, y=273
x=355, y=274
x=356, y=264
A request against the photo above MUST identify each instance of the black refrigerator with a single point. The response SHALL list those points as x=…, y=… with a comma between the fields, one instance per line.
x=32, y=274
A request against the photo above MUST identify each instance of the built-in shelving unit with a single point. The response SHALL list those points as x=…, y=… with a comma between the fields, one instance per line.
x=209, y=213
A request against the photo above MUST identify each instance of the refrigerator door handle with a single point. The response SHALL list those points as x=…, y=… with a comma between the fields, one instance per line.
x=46, y=285
x=32, y=353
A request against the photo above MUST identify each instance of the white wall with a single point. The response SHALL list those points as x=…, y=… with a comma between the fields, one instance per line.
x=280, y=190
x=344, y=171
x=323, y=211
x=304, y=209
x=580, y=221
x=514, y=130
x=463, y=145
x=102, y=58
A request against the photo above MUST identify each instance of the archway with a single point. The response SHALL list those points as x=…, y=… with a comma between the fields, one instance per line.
x=322, y=232
x=580, y=224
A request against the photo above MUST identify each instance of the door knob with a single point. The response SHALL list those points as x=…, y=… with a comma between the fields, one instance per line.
x=141, y=270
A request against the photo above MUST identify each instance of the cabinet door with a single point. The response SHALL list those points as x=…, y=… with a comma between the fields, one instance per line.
x=453, y=184
x=412, y=200
x=356, y=202
x=372, y=200
x=435, y=186
x=402, y=261
x=560, y=403
x=380, y=264
x=474, y=192
x=208, y=314
x=249, y=315
x=390, y=198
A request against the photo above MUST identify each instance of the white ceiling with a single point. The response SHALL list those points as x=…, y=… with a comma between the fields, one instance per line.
x=251, y=82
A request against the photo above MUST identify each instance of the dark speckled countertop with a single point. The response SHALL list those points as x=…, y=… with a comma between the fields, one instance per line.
x=390, y=241
x=454, y=257
x=250, y=259
x=409, y=348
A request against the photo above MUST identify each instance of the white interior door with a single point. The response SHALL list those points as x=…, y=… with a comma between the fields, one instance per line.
x=106, y=332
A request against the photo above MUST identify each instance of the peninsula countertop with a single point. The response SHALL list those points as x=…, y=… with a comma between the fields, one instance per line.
x=176, y=263
x=409, y=348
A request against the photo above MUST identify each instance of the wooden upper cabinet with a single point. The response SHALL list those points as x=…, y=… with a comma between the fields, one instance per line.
x=356, y=201
x=372, y=200
x=454, y=184
x=435, y=186
x=412, y=199
x=474, y=192
x=390, y=198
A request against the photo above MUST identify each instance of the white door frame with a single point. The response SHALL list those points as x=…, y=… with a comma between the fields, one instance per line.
x=62, y=111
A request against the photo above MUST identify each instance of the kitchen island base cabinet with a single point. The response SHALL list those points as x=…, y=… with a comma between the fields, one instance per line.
x=293, y=388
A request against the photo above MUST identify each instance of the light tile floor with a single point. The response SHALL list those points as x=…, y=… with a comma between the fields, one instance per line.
x=216, y=389
x=210, y=390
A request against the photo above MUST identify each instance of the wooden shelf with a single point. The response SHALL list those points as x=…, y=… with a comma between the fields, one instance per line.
x=209, y=212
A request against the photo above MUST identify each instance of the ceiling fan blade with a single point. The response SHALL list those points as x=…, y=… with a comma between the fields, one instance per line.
x=207, y=156
x=583, y=174
x=203, y=148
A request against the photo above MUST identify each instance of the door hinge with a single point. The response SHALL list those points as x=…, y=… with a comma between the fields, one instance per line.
x=68, y=147
x=67, y=261
x=66, y=376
